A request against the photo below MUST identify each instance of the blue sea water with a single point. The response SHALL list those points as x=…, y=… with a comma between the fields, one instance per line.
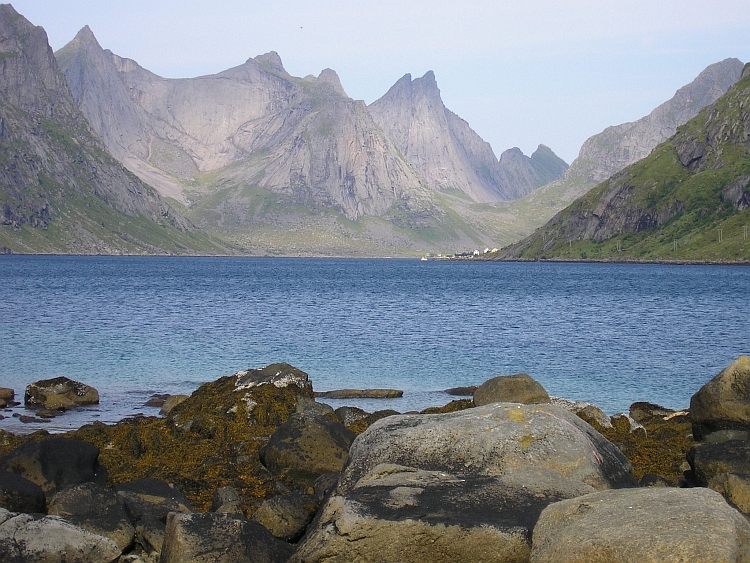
x=610, y=334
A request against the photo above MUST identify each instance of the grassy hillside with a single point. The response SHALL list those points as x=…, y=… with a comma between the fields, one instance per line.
x=687, y=201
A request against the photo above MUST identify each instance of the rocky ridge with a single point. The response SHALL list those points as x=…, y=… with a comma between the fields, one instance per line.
x=671, y=204
x=58, y=182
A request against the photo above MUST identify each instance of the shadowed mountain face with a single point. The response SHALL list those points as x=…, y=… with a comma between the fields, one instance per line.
x=449, y=154
x=58, y=185
x=689, y=199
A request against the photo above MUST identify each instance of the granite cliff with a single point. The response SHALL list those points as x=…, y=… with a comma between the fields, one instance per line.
x=688, y=200
x=449, y=154
x=60, y=191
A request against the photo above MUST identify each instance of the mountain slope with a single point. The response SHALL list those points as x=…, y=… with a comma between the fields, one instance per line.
x=618, y=146
x=59, y=189
x=448, y=153
x=688, y=200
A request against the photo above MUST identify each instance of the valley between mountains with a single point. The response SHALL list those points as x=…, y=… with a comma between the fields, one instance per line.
x=98, y=155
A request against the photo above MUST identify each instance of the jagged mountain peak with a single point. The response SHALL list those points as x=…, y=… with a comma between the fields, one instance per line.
x=328, y=76
x=271, y=62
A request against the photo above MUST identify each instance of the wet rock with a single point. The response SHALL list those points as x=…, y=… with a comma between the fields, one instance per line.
x=25, y=538
x=361, y=394
x=595, y=416
x=641, y=411
x=171, y=402
x=148, y=502
x=220, y=538
x=287, y=516
x=709, y=460
x=518, y=388
x=305, y=447
x=20, y=495
x=60, y=393
x=28, y=419
x=724, y=402
x=470, y=485
x=157, y=400
x=462, y=391
x=453, y=406
x=350, y=415
x=56, y=463
x=96, y=509
x=7, y=394
x=226, y=500
x=661, y=525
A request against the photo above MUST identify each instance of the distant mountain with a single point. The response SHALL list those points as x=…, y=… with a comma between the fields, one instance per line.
x=60, y=191
x=688, y=200
x=449, y=154
x=618, y=146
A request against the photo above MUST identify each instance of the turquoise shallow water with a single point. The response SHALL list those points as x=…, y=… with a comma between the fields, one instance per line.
x=610, y=334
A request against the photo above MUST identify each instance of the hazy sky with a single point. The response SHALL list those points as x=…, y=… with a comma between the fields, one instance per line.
x=521, y=73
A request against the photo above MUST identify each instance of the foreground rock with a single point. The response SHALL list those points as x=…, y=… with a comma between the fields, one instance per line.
x=723, y=404
x=25, y=539
x=220, y=538
x=710, y=460
x=60, y=393
x=56, y=463
x=306, y=447
x=97, y=510
x=519, y=388
x=465, y=486
x=654, y=525
x=20, y=495
x=287, y=516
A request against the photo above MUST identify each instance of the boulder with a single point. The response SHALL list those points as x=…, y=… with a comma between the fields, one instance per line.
x=56, y=463
x=25, y=538
x=469, y=485
x=96, y=509
x=220, y=538
x=60, y=393
x=305, y=447
x=518, y=388
x=287, y=516
x=595, y=416
x=7, y=394
x=20, y=495
x=724, y=402
x=148, y=502
x=652, y=525
x=641, y=411
x=709, y=460
x=171, y=402
x=462, y=391
x=227, y=500
x=350, y=415
x=311, y=407
x=735, y=488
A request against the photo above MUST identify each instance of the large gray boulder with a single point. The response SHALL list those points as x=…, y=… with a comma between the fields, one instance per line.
x=220, y=538
x=60, y=393
x=96, y=509
x=518, y=388
x=56, y=463
x=305, y=447
x=724, y=402
x=652, y=525
x=461, y=486
x=25, y=539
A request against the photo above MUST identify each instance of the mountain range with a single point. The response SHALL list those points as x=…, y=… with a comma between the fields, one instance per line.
x=689, y=199
x=255, y=161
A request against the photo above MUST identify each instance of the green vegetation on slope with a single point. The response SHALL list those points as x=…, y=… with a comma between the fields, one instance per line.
x=687, y=201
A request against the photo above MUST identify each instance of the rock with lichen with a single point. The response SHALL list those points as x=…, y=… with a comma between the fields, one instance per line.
x=60, y=393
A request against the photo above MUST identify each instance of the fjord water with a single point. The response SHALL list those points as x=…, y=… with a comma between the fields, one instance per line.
x=610, y=334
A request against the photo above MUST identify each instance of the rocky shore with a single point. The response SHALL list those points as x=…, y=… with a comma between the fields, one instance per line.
x=251, y=468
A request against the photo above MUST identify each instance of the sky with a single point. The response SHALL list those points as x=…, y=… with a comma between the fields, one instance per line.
x=520, y=72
